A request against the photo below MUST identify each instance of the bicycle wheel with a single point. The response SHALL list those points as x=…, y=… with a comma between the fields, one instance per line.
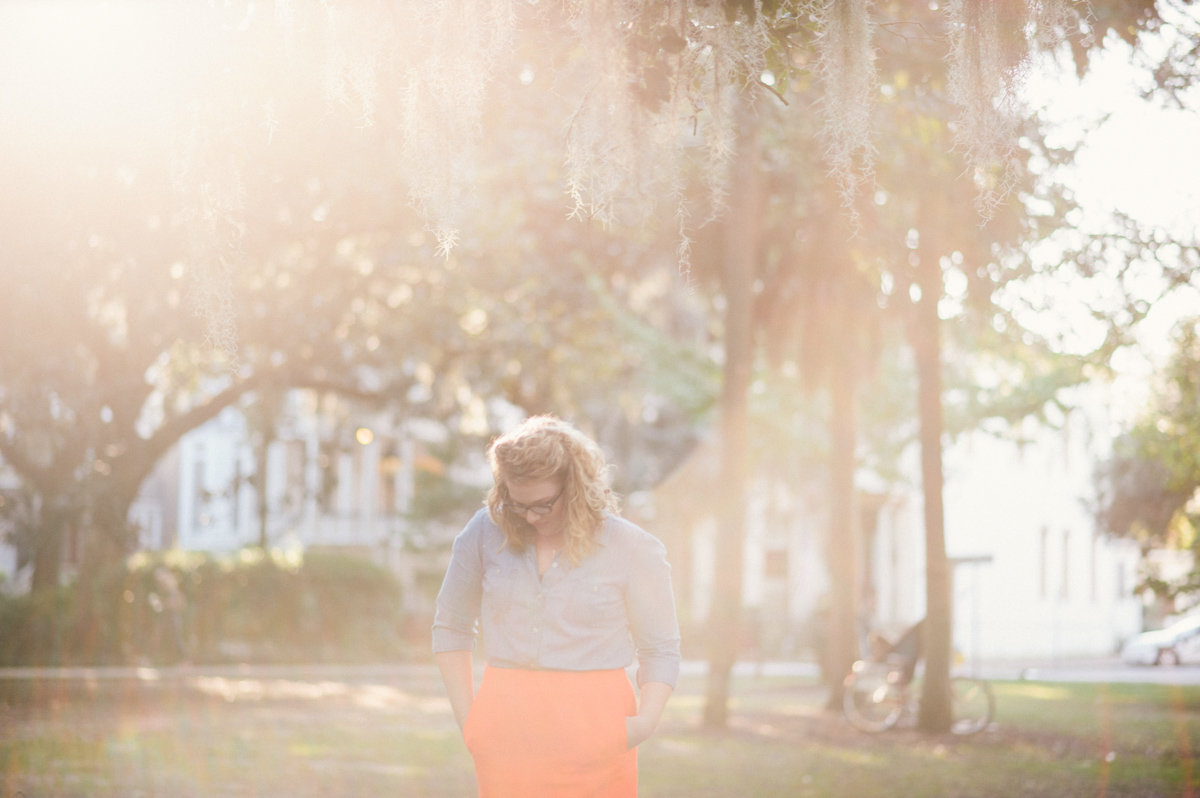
x=871, y=699
x=973, y=705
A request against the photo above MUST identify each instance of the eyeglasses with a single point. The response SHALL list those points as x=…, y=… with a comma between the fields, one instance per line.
x=516, y=508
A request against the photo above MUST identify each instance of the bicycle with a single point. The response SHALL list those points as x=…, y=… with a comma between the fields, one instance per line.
x=877, y=694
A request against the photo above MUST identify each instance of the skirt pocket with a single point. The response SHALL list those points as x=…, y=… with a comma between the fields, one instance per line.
x=469, y=726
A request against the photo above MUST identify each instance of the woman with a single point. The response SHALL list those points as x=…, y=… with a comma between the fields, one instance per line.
x=567, y=593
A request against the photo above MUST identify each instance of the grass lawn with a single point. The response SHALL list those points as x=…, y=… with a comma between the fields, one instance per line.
x=222, y=737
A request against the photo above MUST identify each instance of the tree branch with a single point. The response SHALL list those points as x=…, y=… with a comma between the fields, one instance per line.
x=139, y=463
x=154, y=447
x=928, y=37
x=759, y=82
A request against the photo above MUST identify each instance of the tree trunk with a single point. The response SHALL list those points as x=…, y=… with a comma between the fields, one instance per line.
x=48, y=545
x=740, y=246
x=53, y=519
x=841, y=333
x=843, y=544
x=935, y=714
x=96, y=619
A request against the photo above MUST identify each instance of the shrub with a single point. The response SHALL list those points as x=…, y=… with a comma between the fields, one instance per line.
x=253, y=606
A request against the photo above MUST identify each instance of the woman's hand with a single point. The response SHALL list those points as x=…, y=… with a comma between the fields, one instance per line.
x=638, y=730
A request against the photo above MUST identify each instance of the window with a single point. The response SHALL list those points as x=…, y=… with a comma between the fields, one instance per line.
x=1043, y=570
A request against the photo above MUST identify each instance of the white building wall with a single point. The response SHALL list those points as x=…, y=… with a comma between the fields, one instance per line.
x=218, y=508
x=209, y=499
x=808, y=579
x=704, y=567
x=755, y=543
x=899, y=563
x=191, y=452
x=775, y=521
x=1019, y=591
x=1067, y=597
x=1051, y=588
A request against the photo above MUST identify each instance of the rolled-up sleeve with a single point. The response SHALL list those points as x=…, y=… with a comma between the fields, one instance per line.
x=455, y=623
x=651, y=610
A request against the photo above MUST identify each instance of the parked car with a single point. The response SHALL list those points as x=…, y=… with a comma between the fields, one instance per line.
x=1178, y=643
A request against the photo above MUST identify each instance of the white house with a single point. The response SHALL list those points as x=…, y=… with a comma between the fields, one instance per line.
x=336, y=478
x=1053, y=586
x=1032, y=578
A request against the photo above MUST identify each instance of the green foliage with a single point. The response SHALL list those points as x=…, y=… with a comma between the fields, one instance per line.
x=27, y=625
x=663, y=365
x=1146, y=488
x=248, y=607
x=1137, y=497
x=437, y=495
x=1003, y=372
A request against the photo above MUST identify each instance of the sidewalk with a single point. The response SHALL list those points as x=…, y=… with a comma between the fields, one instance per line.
x=389, y=673
x=697, y=667
x=175, y=672
x=1108, y=670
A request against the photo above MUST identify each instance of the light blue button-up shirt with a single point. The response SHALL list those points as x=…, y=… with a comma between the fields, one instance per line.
x=594, y=616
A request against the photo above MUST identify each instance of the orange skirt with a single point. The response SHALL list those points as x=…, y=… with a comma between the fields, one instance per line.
x=552, y=734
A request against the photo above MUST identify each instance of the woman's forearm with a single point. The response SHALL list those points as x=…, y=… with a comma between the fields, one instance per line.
x=459, y=678
x=654, y=699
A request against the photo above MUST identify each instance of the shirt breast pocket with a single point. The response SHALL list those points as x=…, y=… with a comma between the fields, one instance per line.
x=497, y=591
x=597, y=601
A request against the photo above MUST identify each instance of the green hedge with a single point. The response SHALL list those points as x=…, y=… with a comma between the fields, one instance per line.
x=252, y=606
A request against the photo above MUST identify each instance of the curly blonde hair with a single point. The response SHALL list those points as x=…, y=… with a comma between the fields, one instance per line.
x=541, y=448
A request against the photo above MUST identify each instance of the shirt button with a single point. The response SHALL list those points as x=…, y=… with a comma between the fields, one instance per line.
x=535, y=630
